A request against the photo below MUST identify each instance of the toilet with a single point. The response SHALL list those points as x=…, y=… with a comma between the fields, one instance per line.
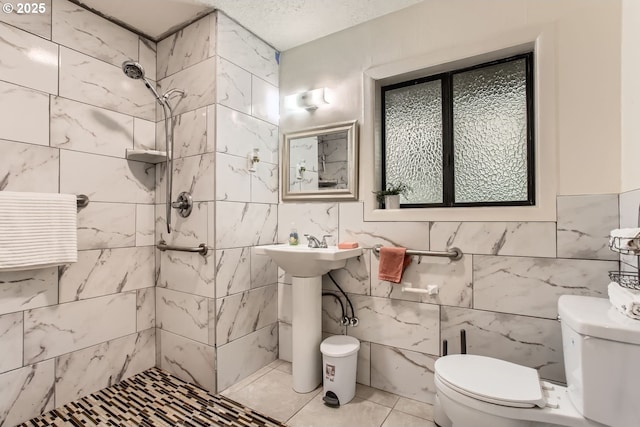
x=602, y=363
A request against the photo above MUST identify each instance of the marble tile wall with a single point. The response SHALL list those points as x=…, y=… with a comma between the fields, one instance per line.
x=247, y=354
x=187, y=359
x=225, y=303
x=103, y=365
x=67, y=115
x=185, y=293
x=246, y=208
x=503, y=291
x=629, y=218
x=332, y=160
x=303, y=154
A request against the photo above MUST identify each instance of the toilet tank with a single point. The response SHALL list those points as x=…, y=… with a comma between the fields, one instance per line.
x=602, y=360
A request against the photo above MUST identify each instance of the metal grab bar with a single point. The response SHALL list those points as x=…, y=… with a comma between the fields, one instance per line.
x=454, y=253
x=202, y=248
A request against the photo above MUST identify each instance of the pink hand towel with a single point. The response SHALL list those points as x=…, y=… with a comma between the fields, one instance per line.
x=393, y=261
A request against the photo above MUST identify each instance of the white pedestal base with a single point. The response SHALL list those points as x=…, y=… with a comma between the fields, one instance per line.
x=307, y=333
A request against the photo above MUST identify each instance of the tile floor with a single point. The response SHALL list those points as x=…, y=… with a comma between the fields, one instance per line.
x=270, y=392
x=153, y=398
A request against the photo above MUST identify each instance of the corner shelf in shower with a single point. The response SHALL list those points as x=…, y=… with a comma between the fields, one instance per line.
x=147, y=156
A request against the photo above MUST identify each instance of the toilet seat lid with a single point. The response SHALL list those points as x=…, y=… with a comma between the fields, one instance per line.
x=491, y=380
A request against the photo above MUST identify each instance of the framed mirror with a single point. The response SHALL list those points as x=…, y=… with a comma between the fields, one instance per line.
x=321, y=163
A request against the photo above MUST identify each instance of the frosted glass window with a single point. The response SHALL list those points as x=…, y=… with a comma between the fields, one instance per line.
x=490, y=133
x=462, y=138
x=413, y=140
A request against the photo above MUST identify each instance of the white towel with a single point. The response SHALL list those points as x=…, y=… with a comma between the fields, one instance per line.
x=625, y=239
x=37, y=230
x=627, y=301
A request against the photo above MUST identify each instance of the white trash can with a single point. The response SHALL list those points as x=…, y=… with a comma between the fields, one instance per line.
x=339, y=363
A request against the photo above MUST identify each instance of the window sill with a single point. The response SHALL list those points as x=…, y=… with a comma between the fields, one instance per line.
x=544, y=212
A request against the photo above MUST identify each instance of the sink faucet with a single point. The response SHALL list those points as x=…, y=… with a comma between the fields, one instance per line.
x=315, y=243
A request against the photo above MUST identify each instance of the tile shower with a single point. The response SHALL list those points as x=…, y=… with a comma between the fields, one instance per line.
x=65, y=122
x=67, y=117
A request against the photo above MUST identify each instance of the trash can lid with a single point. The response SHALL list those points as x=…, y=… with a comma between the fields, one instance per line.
x=339, y=346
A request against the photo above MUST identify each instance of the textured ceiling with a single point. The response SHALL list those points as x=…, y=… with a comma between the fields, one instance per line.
x=282, y=23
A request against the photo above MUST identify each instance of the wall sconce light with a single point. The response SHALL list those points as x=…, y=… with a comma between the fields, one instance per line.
x=309, y=100
x=254, y=157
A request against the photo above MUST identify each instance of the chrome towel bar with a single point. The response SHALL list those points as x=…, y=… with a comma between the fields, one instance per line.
x=82, y=201
x=454, y=253
x=202, y=248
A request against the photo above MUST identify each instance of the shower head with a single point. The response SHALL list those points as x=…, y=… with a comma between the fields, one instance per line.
x=133, y=70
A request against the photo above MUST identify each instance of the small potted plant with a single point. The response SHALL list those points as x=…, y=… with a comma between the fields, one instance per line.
x=390, y=197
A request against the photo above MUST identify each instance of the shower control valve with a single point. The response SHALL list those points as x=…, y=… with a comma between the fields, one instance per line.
x=184, y=204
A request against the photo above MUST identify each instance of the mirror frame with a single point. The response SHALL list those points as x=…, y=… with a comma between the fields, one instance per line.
x=349, y=193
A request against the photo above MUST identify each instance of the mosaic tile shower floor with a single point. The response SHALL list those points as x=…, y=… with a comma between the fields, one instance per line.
x=153, y=398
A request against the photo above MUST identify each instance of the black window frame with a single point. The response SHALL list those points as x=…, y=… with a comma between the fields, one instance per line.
x=448, y=167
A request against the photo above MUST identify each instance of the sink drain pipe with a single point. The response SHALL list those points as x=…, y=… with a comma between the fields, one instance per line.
x=344, y=320
x=353, y=320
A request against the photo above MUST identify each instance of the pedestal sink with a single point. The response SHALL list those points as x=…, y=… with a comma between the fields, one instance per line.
x=306, y=267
